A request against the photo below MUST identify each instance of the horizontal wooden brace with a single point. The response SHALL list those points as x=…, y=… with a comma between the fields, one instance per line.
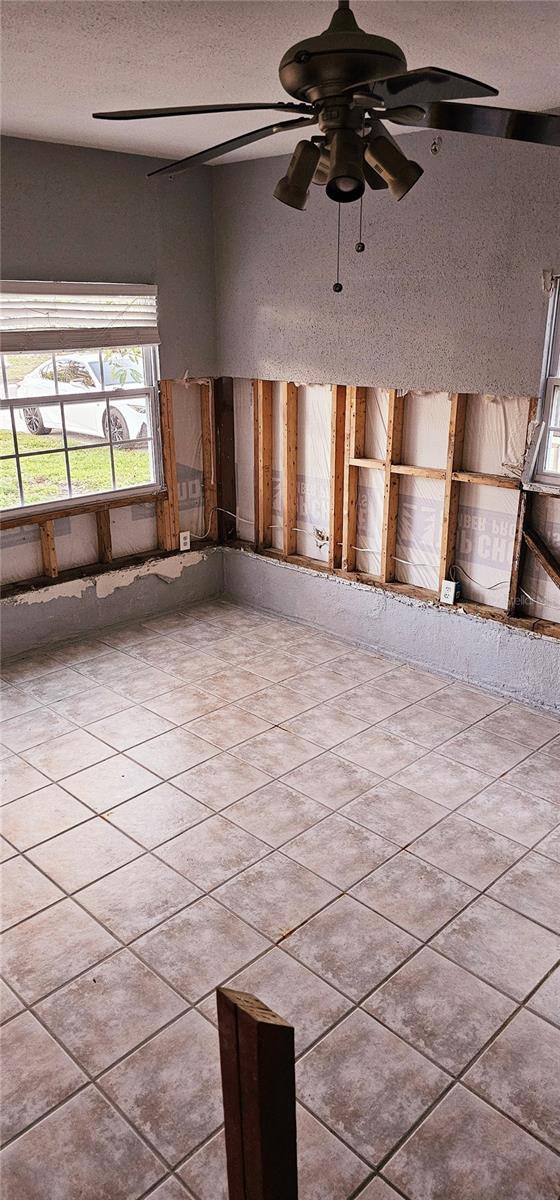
x=501, y=481
x=77, y=510
x=419, y=472
x=367, y=464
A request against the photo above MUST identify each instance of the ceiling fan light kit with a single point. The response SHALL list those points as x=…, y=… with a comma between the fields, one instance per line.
x=349, y=82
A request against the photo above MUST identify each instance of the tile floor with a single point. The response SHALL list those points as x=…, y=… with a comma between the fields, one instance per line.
x=218, y=795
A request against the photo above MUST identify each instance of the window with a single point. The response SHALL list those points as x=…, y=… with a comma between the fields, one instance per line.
x=78, y=398
x=548, y=461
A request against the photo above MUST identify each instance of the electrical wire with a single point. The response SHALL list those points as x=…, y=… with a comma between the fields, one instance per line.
x=541, y=603
x=486, y=587
x=200, y=537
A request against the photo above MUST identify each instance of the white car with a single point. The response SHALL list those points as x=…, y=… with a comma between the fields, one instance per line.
x=81, y=373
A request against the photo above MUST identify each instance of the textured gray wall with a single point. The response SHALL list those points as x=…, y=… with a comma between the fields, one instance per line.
x=72, y=213
x=508, y=661
x=70, y=609
x=447, y=295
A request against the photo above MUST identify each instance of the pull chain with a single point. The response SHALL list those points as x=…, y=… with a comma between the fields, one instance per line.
x=360, y=246
x=337, y=287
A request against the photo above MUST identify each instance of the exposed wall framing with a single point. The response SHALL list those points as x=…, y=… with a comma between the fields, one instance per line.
x=348, y=458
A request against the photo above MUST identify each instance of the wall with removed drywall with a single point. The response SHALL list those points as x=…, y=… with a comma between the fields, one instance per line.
x=447, y=294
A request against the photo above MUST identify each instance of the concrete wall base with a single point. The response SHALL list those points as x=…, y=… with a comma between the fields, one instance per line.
x=510, y=662
x=91, y=603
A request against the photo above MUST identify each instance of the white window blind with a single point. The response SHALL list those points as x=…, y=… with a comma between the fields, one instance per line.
x=75, y=316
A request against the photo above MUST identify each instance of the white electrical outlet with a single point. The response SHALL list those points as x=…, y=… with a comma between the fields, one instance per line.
x=184, y=540
x=449, y=589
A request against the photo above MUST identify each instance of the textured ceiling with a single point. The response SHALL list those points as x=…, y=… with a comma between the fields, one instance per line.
x=63, y=59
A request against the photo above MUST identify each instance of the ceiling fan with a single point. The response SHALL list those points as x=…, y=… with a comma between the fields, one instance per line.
x=349, y=82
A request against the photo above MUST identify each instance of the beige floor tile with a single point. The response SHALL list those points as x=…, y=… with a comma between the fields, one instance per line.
x=391, y=1085
x=36, y=1074
x=276, y=895
x=20, y=733
x=233, y=683
x=500, y=946
x=18, y=778
x=23, y=891
x=291, y=991
x=183, y=704
x=327, y=1170
x=172, y=753
x=544, y=773
x=520, y=1074
x=532, y=887
x=515, y=814
x=323, y=681
x=340, y=850
x=14, y=703
x=9, y=1003
x=157, y=815
x=200, y=948
x=463, y=702
x=351, y=947
x=440, y=779
x=437, y=1161
x=317, y=646
x=228, y=726
x=525, y=725
x=112, y=667
x=408, y=683
x=27, y=667
x=221, y=780
x=276, y=813
x=78, y=650
x=394, y=812
x=277, y=665
x=41, y=815
x=145, y=684
x=236, y=649
x=418, y=724
x=378, y=1190
x=277, y=703
x=170, y=1189
x=468, y=851
x=67, y=754
x=553, y=747
x=276, y=751
x=212, y=852
x=484, y=751
x=380, y=752
x=55, y=686
x=369, y=702
x=83, y=854
x=129, y=636
x=108, y=1011
x=414, y=894
x=109, y=783
x=94, y=704
x=129, y=727
x=61, y=1149
x=546, y=1000
x=331, y=780
x=6, y=851
x=51, y=948
x=363, y=666
x=137, y=897
x=325, y=725
x=442, y=1010
x=550, y=846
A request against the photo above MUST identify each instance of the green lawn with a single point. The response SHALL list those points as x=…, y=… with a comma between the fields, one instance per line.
x=44, y=475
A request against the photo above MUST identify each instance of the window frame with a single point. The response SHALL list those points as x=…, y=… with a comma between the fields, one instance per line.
x=149, y=391
x=549, y=383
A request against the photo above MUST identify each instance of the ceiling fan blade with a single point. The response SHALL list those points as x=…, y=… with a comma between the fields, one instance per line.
x=142, y=114
x=520, y=126
x=427, y=85
x=193, y=160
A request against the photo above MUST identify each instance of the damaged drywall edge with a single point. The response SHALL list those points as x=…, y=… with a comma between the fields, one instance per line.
x=107, y=582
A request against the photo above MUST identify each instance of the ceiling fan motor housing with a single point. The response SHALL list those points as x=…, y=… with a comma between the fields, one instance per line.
x=341, y=58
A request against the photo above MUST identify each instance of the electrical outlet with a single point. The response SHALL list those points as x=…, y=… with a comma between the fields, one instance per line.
x=449, y=591
x=184, y=540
